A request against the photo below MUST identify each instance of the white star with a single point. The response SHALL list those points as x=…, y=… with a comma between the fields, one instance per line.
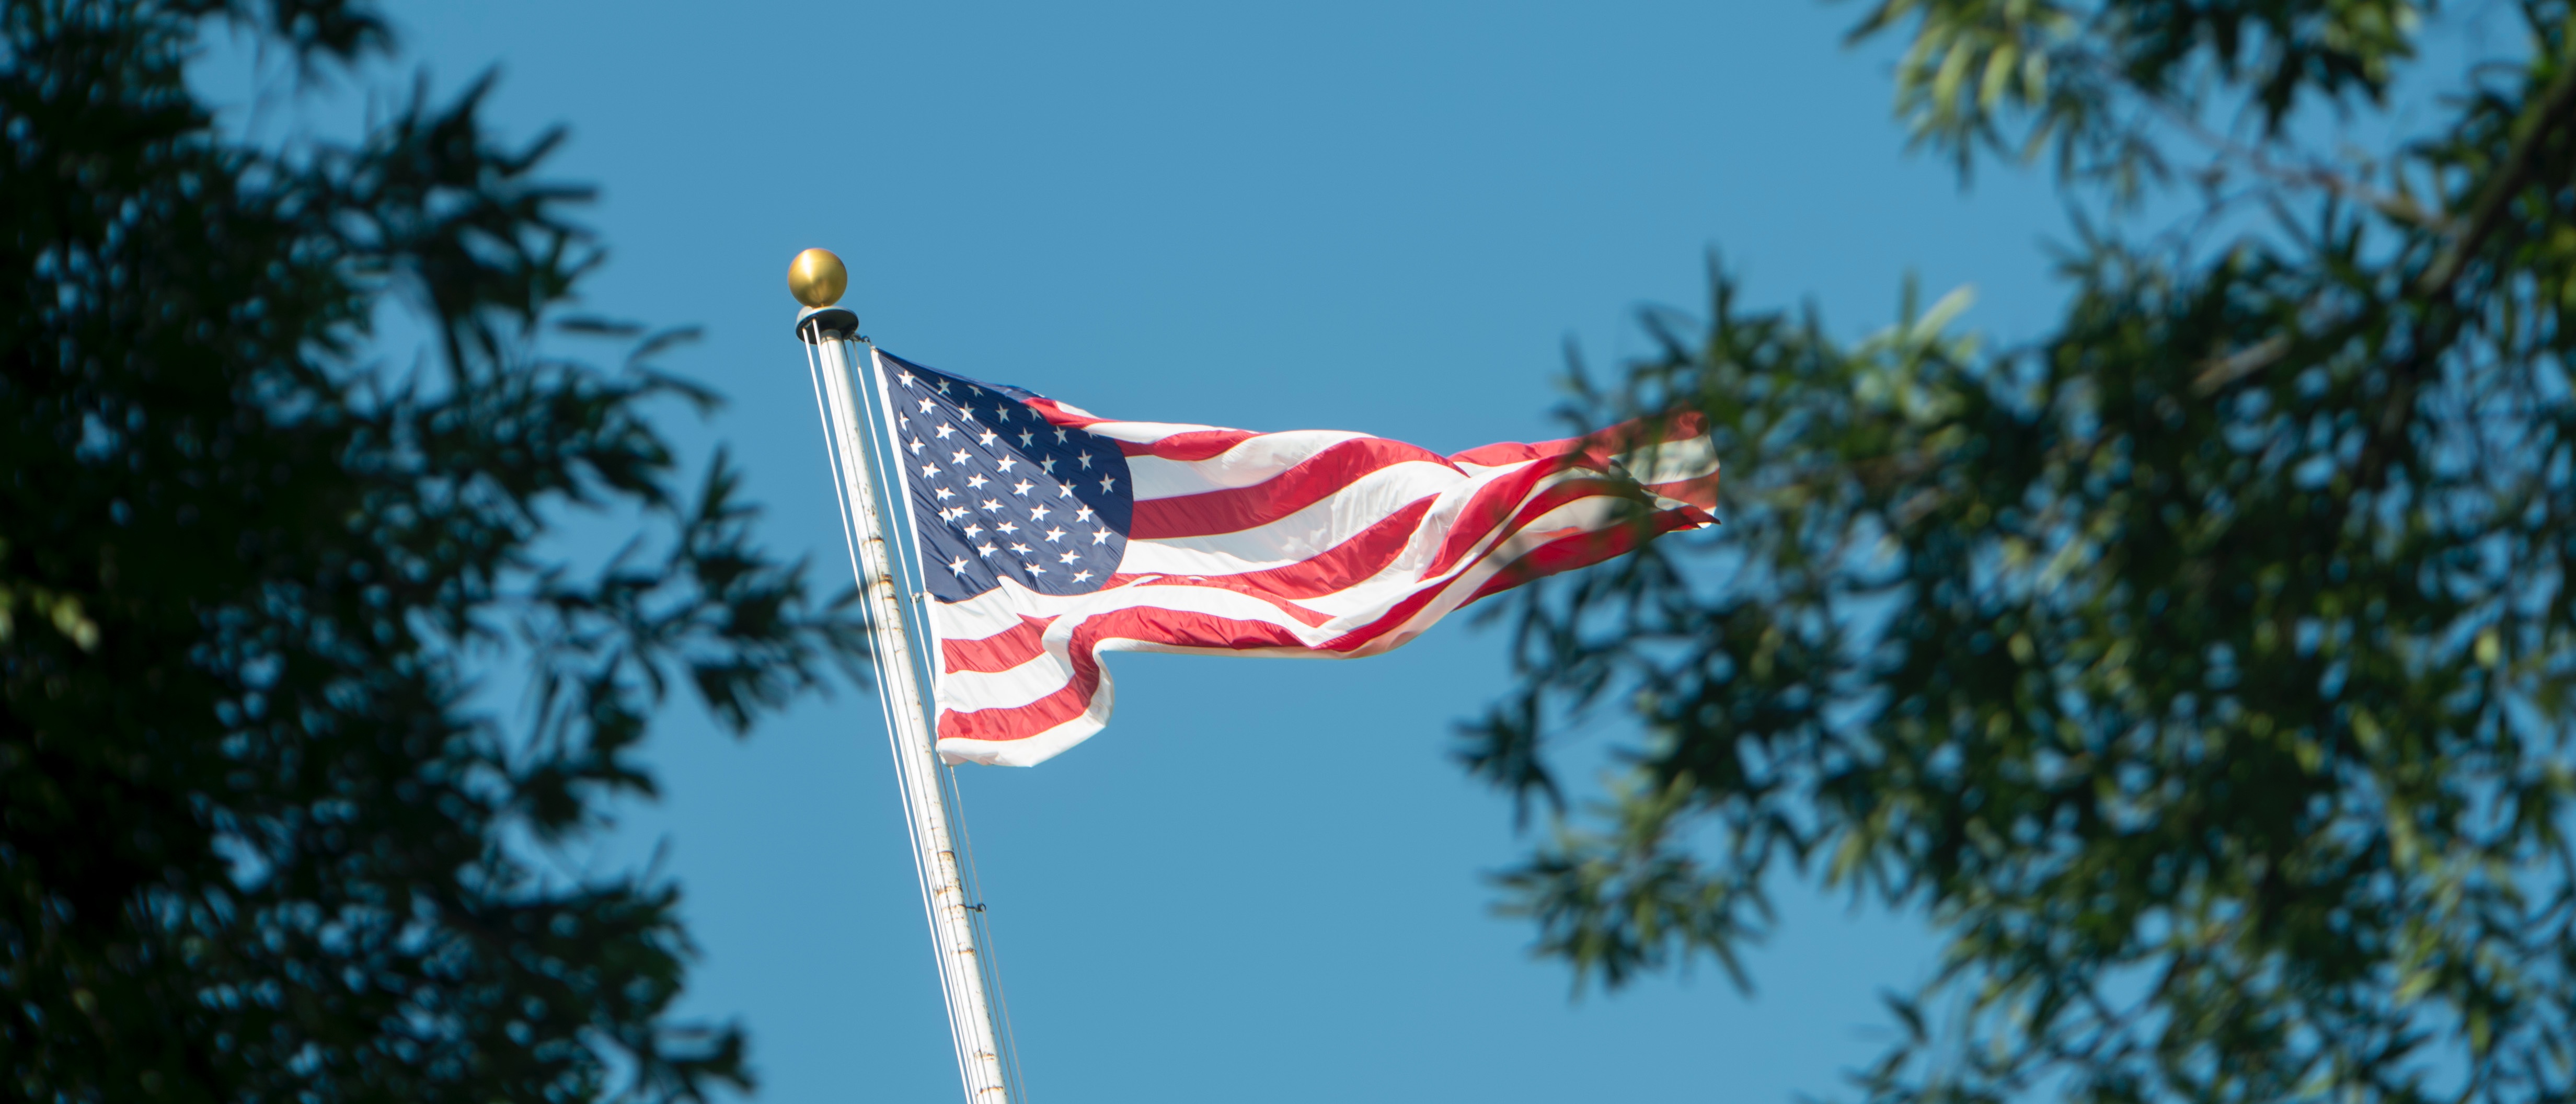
x=1022, y=549
x=1059, y=436
x=1086, y=461
x=1062, y=491
x=926, y=405
x=906, y=379
x=1080, y=576
x=985, y=549
x=916, y=447
x=1007, y=463
x=928, y=470
x=1054, y=535
x=1083, y=514
x=1002, y=413
x=957, y=566
x=1100, y=536
x=943, y=387
x=953, y=513
x=944, y=493
x=1068, y=557
x=987, y=438
x=979, y=392
x=976, y=482
x=974, y=530
x=966, y=412
x=1021, y=487
x=992, y=504
x=1108, y=481
x=1034, y=569
x=943, y=431
x=1024, y=438
x=1007, y=527
x=1037, y=513
x=903, y=421
x=957, y=457
x=1048, y=465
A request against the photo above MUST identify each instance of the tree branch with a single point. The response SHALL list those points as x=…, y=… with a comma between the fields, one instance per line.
x=2553, y=112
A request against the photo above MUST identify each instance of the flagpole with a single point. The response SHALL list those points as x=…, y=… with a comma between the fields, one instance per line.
x=860, y=456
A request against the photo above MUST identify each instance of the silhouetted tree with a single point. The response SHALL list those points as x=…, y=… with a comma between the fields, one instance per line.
x=2202, y=670
x=256, y=842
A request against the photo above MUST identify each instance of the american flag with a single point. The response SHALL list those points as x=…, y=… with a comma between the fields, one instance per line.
x=1049, y=536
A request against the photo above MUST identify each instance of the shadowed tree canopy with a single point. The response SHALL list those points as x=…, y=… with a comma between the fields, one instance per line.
x=257, y=842
x=2202, y=669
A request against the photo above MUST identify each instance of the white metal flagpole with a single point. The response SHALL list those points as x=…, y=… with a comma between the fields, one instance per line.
x=830, y=333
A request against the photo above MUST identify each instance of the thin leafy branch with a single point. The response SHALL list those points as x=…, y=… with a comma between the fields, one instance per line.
x=259, y=836
x=2200, y=671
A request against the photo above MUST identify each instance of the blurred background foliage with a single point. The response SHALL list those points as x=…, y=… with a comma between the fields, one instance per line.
x=2201, y=670
x=257, y=838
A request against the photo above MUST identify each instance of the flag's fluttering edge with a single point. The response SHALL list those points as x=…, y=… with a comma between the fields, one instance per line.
x=1049, y=536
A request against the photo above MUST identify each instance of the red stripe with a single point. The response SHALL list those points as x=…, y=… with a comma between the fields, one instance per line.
x=1499, y=500
x=1565, y=492
x=1510, y=493
x=1197, y=444
x=1360, y=557
x=999, y=652
x=1700, y=492
x=1304, y=484
x=1497, y=512
x=1592, y=450
x=1555, y=496
x=1470, y=531
x=1514, y=452
x=1017, y=722
x=1295, y=612
x=1579, y=550
x=1055, y=413
x=1158, y=626
x=1198, y=630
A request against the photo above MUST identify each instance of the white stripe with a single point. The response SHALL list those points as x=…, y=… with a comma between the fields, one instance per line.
x=1672, y=461
x=1338, y=518
x=1143, y=433
x=1050, y=671
x=1303, y=535
x=993, y=611
x=1042, y=674
x=1583, y=515
x=1332, y=522
x=1178, y=597
x=968, y=691
x=1171, y=566
x=1363, y=602
x=1035, y=749
x=1250, y=461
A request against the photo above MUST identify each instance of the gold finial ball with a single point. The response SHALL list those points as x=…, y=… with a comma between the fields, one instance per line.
x=817, y=278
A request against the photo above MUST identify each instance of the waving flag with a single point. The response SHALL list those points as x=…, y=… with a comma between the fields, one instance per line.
x=1049, y=536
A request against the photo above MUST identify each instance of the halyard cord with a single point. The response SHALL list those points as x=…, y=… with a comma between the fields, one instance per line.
x=951, y=983
x=988, y=960
x=885, y=704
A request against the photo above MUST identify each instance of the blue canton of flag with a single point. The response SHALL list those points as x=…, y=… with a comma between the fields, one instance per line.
x=998, y=493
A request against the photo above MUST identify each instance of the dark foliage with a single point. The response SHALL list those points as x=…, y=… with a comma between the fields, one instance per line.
x=254, y=842
x=2203, y=671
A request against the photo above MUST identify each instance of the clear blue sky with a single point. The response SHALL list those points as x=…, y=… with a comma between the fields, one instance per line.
x=1264, y=882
